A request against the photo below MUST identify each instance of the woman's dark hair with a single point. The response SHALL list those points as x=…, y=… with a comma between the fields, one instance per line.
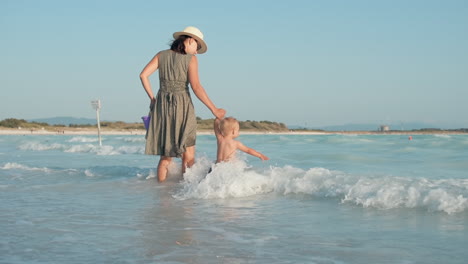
x=178, y=44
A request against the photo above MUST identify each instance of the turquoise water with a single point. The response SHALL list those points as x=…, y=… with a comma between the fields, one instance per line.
x=320, y=199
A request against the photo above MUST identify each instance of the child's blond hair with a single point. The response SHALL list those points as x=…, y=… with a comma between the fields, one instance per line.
x=226, y=125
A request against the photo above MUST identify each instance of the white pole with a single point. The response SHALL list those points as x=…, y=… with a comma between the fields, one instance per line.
x=97, y=105
x=98, y=127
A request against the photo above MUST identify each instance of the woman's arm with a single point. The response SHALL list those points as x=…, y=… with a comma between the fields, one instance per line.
x=149, y=69
x=200, y=91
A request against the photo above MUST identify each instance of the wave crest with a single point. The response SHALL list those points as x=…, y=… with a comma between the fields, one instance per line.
x=17, y=166
x=84, y=148
x=236, y=179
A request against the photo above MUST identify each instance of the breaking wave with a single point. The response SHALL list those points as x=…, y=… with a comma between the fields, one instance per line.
x=236, y=179
x=84, y=148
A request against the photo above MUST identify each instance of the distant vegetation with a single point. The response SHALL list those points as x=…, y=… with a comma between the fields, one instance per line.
x=15, y=123
x=435, y=130
x=203, y=124
x=207, y=124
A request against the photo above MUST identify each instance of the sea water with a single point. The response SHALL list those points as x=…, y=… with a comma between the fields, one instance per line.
x=319, y=199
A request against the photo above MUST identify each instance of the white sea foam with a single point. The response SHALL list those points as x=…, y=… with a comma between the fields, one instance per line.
x=84, y=148
x=131, y=149
x=17, y=166
x=89, y=173
x=236, y=179
x=133, y=139
x=83, y=139
x=105, y=150
x=41, y=147
x=152, y=174
x=442, y=136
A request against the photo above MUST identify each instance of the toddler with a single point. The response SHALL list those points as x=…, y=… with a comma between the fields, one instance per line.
x=226, y=130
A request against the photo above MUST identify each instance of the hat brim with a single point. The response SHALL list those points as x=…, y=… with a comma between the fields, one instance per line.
x=200, y=41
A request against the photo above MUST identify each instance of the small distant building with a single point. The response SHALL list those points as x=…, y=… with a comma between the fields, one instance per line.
x=384, y=128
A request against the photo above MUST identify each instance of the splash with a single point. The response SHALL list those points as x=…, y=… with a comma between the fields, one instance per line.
x=237, y=179
x=233, y=179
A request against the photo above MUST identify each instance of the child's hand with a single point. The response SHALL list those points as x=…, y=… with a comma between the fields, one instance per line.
x=263, y=157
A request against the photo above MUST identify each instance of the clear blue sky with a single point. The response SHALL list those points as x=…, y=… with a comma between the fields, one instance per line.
x=313, y=63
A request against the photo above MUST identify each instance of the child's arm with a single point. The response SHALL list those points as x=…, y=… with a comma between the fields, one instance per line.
x=251, y=151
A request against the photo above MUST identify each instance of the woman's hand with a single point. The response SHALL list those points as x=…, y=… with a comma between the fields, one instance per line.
x=219, y=113
x=153, y=102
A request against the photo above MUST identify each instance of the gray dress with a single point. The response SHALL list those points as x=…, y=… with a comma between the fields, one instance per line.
x=173, y=124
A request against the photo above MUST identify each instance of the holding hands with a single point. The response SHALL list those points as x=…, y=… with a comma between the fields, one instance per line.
x=219, y=113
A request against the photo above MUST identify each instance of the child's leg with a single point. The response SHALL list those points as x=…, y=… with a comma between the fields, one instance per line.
x=163, y=167
x=188, y=158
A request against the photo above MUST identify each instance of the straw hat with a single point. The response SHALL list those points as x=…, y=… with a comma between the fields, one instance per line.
x=196, y=34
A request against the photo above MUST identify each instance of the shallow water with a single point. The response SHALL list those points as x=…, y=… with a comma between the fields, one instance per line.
x=320, y=199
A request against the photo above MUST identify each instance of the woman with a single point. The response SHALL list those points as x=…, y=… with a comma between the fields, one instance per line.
x=172, y=129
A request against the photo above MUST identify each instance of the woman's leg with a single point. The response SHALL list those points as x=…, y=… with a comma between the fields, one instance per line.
x=188, y=158
x=163, y=167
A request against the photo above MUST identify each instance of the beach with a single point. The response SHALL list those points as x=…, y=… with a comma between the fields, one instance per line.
x=105, y=131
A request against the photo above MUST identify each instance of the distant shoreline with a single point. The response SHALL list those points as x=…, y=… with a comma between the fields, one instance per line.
x=90, y=131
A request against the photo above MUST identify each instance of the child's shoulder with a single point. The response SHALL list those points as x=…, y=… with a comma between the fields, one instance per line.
x=236, y=143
